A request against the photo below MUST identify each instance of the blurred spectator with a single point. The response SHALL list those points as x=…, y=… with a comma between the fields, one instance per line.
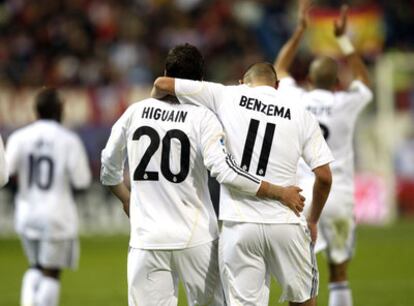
x=91, y=42
x=404, y=170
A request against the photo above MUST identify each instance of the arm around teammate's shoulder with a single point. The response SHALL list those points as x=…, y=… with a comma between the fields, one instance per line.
x=204, y=93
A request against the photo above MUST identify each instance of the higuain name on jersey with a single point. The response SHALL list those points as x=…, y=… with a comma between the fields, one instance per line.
x=164, y=115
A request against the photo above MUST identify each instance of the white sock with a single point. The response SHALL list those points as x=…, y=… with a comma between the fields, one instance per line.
x=48, y=292
x=30, y=284
x=340, y=294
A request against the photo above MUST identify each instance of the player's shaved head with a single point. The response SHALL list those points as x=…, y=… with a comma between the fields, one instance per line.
x=324, y=72
x=185, y=62
x=260, y=73
x=48, y=104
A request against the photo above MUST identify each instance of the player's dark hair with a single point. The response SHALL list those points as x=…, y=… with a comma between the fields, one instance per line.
x=48, y=104
x=185, y=62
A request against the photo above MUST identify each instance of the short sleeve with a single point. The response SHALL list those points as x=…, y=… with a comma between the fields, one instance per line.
x=356, y=97
x=4, y=175
x=289, y=87
x=114, y=154
x=315, y=152
x=78, y=164
x=203, y=93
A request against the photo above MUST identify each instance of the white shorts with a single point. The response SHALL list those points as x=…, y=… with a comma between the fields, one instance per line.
x=336, y=230
x=153, y=276
x=250, y=252
x=338, y=236
x=52, y=254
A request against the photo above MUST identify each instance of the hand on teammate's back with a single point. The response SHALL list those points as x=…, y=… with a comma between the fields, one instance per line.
x=289, y=196
x=292, y=198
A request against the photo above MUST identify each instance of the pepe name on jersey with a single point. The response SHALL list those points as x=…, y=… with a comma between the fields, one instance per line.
x=164, y=115
x=320, y=110
x=267, y=109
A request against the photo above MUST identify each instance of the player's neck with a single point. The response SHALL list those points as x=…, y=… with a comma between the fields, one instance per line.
x=260, y=83
x=323, y=88
x=170, y=99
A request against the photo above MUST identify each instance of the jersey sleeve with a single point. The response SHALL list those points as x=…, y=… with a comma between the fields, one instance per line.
x=289, y=86
x=114, y=154
x=78, y=165
x=12, y=154
x=356, y=97
x=199, y=93
x=315, y=152
x=220, y=163
x=4, y=175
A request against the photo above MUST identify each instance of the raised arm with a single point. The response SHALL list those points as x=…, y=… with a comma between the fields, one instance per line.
x=289, y=49
x=223, y=167
x=355, y=61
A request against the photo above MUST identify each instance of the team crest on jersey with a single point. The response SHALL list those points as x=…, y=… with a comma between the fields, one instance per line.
x=222, y=142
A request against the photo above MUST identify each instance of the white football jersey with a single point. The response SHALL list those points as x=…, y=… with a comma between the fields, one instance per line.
x=267, y=134
x=4, y=174
x=337, y=113
x=49, y=160
x=169, y=147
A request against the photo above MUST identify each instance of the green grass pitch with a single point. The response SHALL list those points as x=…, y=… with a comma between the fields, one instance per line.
x=382, y=273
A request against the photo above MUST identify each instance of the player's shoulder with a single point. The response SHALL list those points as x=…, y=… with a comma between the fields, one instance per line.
x=22, y=132
x=355, y=87
x=65, y=134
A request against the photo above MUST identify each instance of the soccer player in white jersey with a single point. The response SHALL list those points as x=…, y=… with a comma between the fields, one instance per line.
x=4, y=174
x=337, y=112
x=49, y=161
x=173, y=225
x=267, y=134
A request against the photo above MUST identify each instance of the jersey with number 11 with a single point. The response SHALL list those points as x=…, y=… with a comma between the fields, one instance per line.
x=267, y=134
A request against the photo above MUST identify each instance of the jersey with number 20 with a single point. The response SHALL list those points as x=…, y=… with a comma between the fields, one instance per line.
x=169, y=147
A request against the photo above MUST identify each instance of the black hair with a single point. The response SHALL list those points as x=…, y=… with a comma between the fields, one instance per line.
x=185, y=62
x=48, y=104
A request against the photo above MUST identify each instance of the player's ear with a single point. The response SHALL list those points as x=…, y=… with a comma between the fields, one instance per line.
x=241, y=82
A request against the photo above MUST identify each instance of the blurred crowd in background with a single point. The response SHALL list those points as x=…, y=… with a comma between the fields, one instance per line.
x=106, y=54
x=90, y=42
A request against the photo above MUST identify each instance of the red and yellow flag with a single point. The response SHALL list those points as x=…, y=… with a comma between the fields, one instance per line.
x=365, y=28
